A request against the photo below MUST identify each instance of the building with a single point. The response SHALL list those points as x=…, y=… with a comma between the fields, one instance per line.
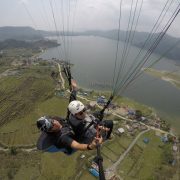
x=164, y=139
x=142, y=128
x=92, y=105
x=175, y=148
x=146, y=140
x=121, y=130
x=94, y=172
x=82, y=156
x=101, y=100
x=135, y=126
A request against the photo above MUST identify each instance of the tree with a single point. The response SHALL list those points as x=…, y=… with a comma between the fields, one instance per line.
x=13, y=151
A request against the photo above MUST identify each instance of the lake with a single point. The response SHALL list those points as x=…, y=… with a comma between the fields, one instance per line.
x=94, y=60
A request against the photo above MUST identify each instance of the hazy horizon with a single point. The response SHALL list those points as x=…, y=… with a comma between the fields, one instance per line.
x=83, y=15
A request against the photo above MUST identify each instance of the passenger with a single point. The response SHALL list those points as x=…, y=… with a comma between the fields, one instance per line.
x=85, y=125
x=56, y=132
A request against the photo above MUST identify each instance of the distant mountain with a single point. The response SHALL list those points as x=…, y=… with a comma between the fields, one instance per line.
x=12, y=43
x=28, y=33
x=19, y=33
x=139, y=39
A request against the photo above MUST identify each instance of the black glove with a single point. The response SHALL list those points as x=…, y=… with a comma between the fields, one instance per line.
x=98, y=115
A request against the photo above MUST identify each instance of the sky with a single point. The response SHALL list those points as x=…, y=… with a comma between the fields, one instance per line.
x=81, y=15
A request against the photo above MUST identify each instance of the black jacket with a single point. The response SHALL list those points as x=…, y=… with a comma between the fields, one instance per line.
x=60, y=139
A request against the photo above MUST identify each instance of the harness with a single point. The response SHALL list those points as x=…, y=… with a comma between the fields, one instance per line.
x=89, y=124
x=66, y=130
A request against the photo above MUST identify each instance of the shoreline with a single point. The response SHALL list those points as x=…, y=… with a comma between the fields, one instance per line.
x=173, y=130
x=165, y=76
x=158, y=113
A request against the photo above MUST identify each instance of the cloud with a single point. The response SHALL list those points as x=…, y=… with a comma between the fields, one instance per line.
x=104, y=14
x=90, y=14
x=24, y=1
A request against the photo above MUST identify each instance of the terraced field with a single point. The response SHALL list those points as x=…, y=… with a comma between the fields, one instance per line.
x=145, y=161
x=19, y=98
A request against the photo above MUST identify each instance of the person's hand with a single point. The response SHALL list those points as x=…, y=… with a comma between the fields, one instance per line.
x=73, y=84
x=95, y=141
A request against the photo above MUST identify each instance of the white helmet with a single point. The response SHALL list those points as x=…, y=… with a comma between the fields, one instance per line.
x=75, y=107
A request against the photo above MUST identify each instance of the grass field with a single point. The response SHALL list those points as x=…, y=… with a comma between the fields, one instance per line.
x=19, y=166
x=145, y=161
x=20, y=99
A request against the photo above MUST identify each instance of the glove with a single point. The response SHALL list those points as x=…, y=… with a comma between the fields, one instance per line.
x=98, y=115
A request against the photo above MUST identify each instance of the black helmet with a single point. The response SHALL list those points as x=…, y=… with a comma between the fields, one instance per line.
x=44, y=123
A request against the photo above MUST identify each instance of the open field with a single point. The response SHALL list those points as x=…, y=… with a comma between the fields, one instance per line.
x=146, y=161
x=19, y=100
x=19, y=166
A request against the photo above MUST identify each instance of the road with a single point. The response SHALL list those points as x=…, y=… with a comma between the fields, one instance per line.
x=114, y=166
x=61, y=77
x=22, y=149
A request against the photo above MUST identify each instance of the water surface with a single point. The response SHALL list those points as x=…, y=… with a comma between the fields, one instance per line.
x=94, y=60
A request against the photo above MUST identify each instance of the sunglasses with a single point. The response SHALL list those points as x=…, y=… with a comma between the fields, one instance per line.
x=48, y=125
x=81, y=112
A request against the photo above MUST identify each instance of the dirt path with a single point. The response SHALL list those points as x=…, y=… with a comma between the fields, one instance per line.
x=61, y=77
x=114, y=166
x=22, y=149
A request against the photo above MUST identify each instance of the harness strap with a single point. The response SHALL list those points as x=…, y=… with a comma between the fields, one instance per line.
x=89, y=125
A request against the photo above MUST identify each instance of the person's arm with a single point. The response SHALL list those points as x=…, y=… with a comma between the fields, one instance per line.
x=74, y=90
x=78, y=146
x=84, y=147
